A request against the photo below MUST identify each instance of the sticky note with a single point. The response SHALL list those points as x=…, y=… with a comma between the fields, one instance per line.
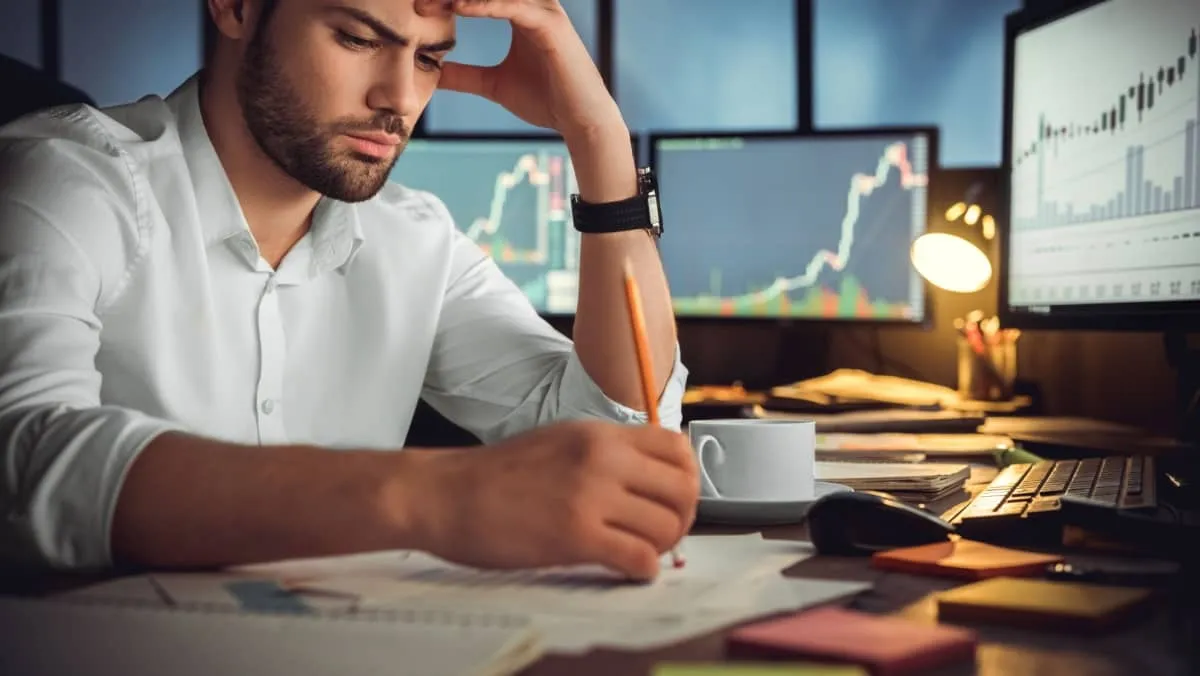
x=964, y=558
x=1043, y=604
x=886, y=646
x=755, y=669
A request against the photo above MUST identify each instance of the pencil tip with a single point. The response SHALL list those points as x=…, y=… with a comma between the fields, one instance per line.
x=628, y=267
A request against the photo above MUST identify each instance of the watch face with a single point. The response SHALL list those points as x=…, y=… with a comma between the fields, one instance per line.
x=655, y=214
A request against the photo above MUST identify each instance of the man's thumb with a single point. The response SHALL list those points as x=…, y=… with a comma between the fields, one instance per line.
x=460, y=77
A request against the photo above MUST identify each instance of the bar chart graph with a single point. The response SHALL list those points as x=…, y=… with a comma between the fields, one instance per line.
x=1105, y=170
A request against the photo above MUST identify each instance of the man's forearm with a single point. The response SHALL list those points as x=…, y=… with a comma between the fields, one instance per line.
x=606, y=171
x=193, y=502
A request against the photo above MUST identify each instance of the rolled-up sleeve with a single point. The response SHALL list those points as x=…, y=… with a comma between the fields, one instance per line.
x=67, y=219
x=498, y=368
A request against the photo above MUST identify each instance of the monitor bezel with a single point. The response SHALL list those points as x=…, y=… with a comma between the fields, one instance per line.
x=516, y=137
x=932, y=132
x=1170, y=316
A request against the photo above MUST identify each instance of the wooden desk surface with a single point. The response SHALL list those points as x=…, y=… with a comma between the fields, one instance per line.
x=1162, y=643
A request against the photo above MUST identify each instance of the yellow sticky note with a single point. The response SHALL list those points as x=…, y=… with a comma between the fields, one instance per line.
x=755, y=669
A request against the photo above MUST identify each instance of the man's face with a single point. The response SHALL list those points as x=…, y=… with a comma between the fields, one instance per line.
x=330, y=89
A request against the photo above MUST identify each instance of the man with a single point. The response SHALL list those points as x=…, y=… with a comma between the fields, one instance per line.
x=217, y=316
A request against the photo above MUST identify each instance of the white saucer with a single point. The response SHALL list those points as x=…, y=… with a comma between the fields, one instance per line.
x=739, y=512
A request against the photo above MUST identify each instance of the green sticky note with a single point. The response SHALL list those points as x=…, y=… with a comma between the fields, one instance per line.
x=755, y=669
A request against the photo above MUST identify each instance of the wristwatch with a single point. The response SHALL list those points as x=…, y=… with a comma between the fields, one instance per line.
x=640, y=212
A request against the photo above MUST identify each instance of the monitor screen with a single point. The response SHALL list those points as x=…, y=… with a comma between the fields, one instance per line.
x=1103, y=167
x=795, y=226
x=512, y=197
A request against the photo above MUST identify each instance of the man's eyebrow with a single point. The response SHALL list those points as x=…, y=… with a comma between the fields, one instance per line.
x=387, y=33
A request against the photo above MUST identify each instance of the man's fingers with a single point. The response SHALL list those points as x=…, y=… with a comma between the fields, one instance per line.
x=460, y=77
x=666, y=445
x=625, y=553
x=522, y=12
x=675, y=489
x=434, y=7
x=655, y=524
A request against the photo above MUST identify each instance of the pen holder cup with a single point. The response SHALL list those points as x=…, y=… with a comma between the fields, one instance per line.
x=987, y=372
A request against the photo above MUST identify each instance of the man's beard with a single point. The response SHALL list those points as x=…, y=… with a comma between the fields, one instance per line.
x=292, y=137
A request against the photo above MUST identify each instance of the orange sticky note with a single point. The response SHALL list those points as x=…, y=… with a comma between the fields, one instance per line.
x=964, y=558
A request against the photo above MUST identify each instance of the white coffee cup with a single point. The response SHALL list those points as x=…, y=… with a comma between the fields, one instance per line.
x=748, y=459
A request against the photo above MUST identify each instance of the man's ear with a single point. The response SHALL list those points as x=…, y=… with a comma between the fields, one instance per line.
x=230, y=18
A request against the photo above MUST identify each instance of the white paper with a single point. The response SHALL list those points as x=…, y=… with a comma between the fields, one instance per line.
x=727, y=579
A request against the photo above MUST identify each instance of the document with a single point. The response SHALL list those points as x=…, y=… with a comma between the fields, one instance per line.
x=727, y=579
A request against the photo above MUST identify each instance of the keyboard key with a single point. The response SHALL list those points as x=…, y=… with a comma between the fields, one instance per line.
x=1033, y=480
x=1085, y=475
x=1043, y=504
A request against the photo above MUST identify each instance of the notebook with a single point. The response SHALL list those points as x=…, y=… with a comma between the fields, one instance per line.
x=1072, y=606
x=963, y=558
x=906, y=481
x=885, y=646
x=885, y=444
x=91, y=638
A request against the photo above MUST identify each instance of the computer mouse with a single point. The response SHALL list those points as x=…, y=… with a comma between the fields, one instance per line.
x=859, y=523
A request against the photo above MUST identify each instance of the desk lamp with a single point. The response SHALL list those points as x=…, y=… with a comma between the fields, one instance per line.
x=953, y=255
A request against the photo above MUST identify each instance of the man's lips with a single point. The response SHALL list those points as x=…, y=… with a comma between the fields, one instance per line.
x=374, y=144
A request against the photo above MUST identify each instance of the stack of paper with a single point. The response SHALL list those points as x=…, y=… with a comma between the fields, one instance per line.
x=97, y=638
x=906, y=481
x=727, y=579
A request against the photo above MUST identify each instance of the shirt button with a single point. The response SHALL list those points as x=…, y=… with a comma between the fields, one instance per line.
x=267, y=406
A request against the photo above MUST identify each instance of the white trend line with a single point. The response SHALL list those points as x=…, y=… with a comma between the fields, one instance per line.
x=861, y=186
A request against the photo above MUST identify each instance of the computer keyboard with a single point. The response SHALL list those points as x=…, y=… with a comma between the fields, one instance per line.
x=1024, y=501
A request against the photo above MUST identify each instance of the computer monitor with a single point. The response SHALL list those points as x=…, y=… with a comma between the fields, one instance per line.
x=511, y=195
x=1102, y=167
x=795, y=226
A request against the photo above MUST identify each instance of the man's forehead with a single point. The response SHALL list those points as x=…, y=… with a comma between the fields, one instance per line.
x=425, y=21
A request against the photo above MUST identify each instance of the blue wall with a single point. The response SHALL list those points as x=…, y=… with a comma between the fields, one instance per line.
x=914, y=62
x=121, y=50
x=729, y=65
x=20, y=26
x=679, y=64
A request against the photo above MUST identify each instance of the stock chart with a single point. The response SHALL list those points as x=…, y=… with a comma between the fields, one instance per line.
x=1106, y=168
x=794, y=226
x=511, y=198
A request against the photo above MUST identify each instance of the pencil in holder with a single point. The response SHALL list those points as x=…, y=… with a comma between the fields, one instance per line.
x=987, y=366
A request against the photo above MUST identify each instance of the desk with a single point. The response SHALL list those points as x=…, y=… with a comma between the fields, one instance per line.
x=1158, y=645
x=1154, y=646
x=1164, y=643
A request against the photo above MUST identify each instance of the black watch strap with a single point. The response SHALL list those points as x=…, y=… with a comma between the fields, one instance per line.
x=639, y=212
x=629, y=214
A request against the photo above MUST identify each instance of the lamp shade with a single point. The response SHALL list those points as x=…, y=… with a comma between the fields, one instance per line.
x=951, y=262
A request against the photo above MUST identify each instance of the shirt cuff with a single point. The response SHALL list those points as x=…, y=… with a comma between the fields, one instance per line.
x=79, y=466
x=581, y=397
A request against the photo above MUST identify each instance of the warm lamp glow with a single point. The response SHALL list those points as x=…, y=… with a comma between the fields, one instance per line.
x=973, y=213
x=951, y=262
x=989, y=227
x=957, y=209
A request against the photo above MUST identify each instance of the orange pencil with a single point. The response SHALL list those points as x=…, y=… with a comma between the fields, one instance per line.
x=641, y=344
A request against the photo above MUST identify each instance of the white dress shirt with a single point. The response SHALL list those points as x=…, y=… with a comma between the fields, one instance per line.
x=133, y=300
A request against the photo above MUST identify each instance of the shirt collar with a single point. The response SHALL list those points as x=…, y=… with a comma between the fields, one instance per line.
x=336, y=234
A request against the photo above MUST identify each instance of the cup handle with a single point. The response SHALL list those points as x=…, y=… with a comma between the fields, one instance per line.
x=706, y=484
